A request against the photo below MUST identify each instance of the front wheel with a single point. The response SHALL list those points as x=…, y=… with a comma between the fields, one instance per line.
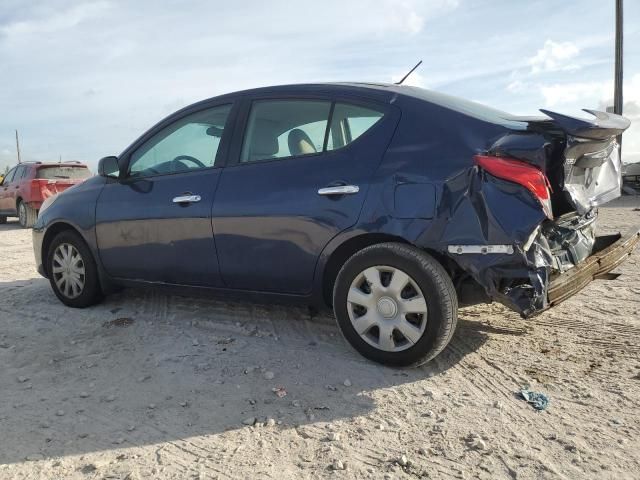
x=72, y=271
x=395, y=304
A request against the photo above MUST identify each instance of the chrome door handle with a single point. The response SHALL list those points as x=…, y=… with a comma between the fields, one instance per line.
x=339, y=190
x=187, y=199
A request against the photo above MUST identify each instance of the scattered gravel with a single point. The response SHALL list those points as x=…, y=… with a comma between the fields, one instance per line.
x=144, y=402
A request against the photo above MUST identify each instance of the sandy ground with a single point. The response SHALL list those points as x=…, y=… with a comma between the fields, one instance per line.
x=174, y=390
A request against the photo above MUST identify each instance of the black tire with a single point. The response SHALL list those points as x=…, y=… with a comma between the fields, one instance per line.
x=437, y=291
x=91, y=292
x=3, y=220
x=27, y=215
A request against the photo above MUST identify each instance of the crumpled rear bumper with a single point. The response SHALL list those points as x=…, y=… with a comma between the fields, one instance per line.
x=609, y=252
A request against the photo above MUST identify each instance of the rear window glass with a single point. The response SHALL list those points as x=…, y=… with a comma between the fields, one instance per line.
x=66, y=172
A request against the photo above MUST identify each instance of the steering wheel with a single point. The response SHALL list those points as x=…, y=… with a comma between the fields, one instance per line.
x=188, y=158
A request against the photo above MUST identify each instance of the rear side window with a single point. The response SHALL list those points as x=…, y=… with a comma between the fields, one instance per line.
x=348, y=122
x=285, y=128
x=293, y=128
x=63, y=172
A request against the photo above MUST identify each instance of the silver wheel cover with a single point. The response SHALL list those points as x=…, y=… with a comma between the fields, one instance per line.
x=22, y=214
x=68, y=270
x=387, y=308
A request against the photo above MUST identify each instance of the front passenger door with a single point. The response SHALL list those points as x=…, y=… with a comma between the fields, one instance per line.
x=154, y=223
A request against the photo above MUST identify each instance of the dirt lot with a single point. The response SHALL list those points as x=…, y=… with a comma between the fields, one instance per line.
x=174, y=389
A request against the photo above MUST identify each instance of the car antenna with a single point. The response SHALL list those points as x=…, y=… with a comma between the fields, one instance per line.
x=410, y=72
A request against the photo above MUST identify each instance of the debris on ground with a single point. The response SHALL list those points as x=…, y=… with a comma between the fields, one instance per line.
x=177, y=410
x=279, y=391
x=118, y=322
x=537, y=400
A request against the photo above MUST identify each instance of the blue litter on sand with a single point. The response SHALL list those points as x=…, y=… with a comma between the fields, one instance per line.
x=537, y=400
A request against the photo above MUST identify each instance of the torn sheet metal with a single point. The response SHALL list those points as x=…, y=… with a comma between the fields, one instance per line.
x=595, y=178
x=481, y=212
x=592, y=163
x=571, y=238
x=581, y=159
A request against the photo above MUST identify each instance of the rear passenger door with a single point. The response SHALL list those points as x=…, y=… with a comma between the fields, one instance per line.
x=300, y=176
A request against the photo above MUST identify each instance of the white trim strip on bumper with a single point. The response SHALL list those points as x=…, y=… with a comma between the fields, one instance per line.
x=481, y=249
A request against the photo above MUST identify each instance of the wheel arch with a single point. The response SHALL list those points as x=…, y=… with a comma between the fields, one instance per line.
x=352, y=245
x=50, y=234
x=343, y=252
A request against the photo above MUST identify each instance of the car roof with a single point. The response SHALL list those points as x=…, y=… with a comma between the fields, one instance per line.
x=386, y=92
x=51, y=164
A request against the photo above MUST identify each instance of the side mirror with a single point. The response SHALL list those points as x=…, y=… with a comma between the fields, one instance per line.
x=108, y=167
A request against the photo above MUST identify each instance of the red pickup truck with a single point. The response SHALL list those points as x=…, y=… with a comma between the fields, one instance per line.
x=27, y=185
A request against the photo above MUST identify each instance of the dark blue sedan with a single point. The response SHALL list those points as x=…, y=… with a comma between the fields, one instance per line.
x=390, y=204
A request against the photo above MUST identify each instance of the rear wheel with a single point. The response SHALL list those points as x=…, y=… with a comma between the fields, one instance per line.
x=27, y=215
x=395, y=304
x=72, y=271
x=3, y=220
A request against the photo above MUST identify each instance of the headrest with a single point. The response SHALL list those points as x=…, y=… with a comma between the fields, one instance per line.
x=300, y=143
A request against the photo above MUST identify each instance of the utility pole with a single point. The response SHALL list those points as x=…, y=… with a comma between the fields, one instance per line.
x=617, y=89
x=18, y=147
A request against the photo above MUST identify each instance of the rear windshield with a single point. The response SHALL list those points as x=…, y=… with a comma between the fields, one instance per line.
x=65, y=172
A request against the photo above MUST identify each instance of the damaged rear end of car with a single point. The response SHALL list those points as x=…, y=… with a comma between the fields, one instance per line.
x=535, y=194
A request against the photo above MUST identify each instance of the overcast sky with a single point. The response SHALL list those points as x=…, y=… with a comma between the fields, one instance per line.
x=84, y=79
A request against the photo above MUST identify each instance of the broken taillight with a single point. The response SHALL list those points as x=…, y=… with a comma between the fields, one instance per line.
x=512, y=170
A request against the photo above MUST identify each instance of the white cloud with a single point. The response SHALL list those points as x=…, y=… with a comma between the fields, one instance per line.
x=64, y=19
x=571, y=97
x=554, y=56
x=517, y=86
x=574, y=92
x=404, y=17
x=631, y=110
x=414, y=22
x=85, y=79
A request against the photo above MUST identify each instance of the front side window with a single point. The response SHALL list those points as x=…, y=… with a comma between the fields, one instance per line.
x=190, y=143
x=19, y=174
x=7, y=180
x=293, y=128
x=285, y=128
